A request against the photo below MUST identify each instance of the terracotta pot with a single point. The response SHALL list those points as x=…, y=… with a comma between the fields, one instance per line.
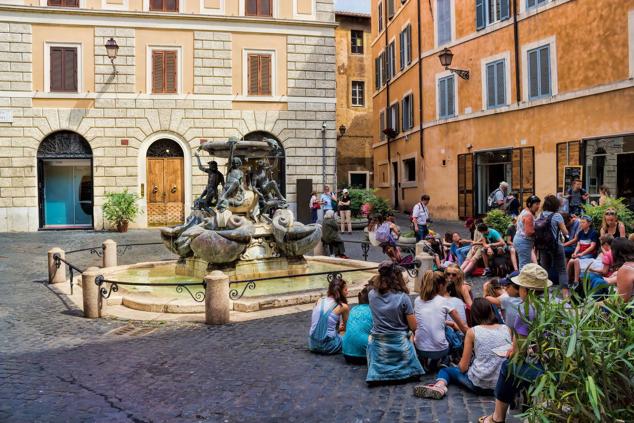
x=122, y=226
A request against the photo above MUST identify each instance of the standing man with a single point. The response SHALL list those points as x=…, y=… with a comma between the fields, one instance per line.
x=497, y=199
x=420, y=218
x=577, y=197
x=327, y=198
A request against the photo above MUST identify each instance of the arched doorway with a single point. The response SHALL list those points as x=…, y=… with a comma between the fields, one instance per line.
x=278, y=161
x=65, y=183
x=165, y=187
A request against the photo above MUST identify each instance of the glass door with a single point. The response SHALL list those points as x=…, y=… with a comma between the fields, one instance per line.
x=67, y=193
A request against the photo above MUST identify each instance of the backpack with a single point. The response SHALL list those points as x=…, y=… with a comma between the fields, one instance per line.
x=383, y=233
x=491, y=204
x=544, y=238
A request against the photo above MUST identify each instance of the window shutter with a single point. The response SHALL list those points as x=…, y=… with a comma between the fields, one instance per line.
x=390, y=9
x=443, y=10
x=442, y=98
x=384, y=68
x=533, y=81
x=480, y=14
x=381, y=125
x=404, y=117
x=409, y=44
x=505, y=11
x=170, y=5
x=156, y=4
x=70, y=69
x=396, y=118
x=253, y=65
x=56, y=81
x=500, y=85
x=465, y=185
x=251, y=7
x=401, y=37
x=264, y=8
x=265, y=75
x=530, y=3
x=377, y=73
x=158, y=72
x=411, y=111
x=544, y=71
x=170, y=66
x=490, y=85
x=54, y=2
x=450, y=97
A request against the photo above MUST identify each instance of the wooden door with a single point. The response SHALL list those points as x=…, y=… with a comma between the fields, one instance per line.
x=465, y=186
x=165, y=191
x=523, y=180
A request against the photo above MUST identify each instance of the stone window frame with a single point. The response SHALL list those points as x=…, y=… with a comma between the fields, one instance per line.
x=148, y=67
x=47, y=67
x=82, y=4
x=408, y=183
x=352, y=38
x=275, y=12
x=206, y=11
x=146, y=7
x=554, y=87
x=452, y=19
x=125, y=5
x=359, y=172
x=311, y=17
x=443, y=75
x=362, y=98
x=506, y=56
x=245, y=73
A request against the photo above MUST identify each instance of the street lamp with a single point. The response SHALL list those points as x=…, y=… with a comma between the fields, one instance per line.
x=446, y=56
x=111, y=49
x=390, y=133
x=342, y=130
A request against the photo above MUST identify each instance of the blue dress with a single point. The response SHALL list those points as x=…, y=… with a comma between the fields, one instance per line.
x=323, y=337
x=358, y=327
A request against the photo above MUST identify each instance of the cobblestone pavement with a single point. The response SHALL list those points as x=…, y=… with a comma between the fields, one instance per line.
x=56, y=366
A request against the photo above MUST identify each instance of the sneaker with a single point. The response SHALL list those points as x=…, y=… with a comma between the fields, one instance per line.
x=487, y=272
x=430, y=391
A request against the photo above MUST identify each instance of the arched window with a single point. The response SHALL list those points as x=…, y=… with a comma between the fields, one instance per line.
x=165, y=148
x=278, y=161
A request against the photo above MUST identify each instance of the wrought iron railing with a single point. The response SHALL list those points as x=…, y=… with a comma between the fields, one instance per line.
x=71, y=268
x=105, y=292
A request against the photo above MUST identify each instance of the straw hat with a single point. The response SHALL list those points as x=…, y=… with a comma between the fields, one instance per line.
x=532, y=276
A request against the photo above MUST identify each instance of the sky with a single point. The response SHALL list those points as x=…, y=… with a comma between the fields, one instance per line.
x=353, y=5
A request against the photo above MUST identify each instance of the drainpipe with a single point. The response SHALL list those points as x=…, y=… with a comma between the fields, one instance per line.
x=420, y=81
x=387, y=97
x=323, y=153
x=516, y=40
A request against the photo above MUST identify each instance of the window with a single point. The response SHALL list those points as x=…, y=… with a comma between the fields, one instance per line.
x=496, y=84
x=63, y=69
x=164, y=71
x=259, y=74
x=491, y=11
x=408, y=112
x=377, y=73
x=443, y=25
x=380, y=17
x=358, y=93
x=63, y=3
x=539, y=72
x=534, y=3
x=382, y=125
x=446, y=97
x=409, y=170
x=356, y=41
x=391, y=61
x=390, y=9
x=258, y=8
x=164, y=5
x=406, y=46
x=392, y=118
x=358, y=180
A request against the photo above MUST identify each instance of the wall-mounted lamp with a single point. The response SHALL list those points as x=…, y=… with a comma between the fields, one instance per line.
x=390, y=133
x=342, y=130
x=446, y=56
x=111, y=49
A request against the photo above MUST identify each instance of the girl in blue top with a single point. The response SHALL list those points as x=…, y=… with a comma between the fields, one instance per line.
x=355, y=341
x=329, y=317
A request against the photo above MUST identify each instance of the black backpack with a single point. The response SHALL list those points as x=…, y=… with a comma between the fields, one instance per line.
x=544, y=238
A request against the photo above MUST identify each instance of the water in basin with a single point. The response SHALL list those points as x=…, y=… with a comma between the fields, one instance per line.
x=166, y=274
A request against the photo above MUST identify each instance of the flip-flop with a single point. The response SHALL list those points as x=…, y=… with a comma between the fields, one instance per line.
x=483, y=418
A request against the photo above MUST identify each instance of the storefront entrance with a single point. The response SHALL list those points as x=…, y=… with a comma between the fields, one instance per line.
x=65, y=183
x=165, y=188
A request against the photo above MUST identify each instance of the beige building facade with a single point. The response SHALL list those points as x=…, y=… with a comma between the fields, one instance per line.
x=354, y=100
x=75, y=125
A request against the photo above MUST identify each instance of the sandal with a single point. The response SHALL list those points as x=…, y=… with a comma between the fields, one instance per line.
x=490, y=417
x=431, y=391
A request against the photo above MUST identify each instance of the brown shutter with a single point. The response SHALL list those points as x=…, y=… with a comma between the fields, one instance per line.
x=70, y=69
x=251, y=7
x=158, y=77
x=253, y=75
x=568, y=154
x=465, y=186
x=54, y=2
x=156, y=4
x=170, y=5
x=265, y=75
x=264, y=8
x=523, y=179
x=171, y=81
x=56, y=60
x=69, y=3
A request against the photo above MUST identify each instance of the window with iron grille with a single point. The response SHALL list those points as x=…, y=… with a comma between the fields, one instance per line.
x=63, y=69
x=358, y=93
x=356, y=41
x=164, y=71
x=259, y=74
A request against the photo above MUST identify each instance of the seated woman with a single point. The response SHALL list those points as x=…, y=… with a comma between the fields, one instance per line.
x=479, y=367
x=386, y=234
x=358, y=328
x=456, y=285
x=329, y=316
x=600, y=270
x=391, y=355
x=432, y=312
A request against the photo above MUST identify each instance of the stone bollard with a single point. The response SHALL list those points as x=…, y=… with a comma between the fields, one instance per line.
x=217, y=302
x=109, y=253
x=426, y=263
x=90, y=291
x=55, y=274
x=419, y=247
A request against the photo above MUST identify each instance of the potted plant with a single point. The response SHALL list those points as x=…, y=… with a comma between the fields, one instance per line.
x=624, y=214
x=120, y=208
x=498, y=220
x=408, y=237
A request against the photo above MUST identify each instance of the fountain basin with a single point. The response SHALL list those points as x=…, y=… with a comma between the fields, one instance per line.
x=267, y=294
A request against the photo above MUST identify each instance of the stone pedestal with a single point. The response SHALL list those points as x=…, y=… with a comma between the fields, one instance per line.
x=109, y=253
x=90, y=291
x=427, y=262
x=55, y=274
x=217, y=302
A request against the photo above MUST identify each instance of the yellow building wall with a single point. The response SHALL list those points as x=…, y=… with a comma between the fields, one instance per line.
x=243, y=41
x=164, y=38
x=55, y=33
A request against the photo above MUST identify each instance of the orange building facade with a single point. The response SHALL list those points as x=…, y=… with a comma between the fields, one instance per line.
x=549, y=95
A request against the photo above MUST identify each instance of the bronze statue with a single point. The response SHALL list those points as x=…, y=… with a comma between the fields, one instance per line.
x=209, y=196
x=233, y=193
x=269, y=196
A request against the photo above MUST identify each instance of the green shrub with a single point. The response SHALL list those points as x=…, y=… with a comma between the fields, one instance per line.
x=408, y=234
x=587, y=352
x=359, y=197
x=625, y=215
x=498, y=220
x=120, y=207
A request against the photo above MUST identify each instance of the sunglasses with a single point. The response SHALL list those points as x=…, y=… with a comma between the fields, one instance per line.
x=610, y=213
x=451, y=273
